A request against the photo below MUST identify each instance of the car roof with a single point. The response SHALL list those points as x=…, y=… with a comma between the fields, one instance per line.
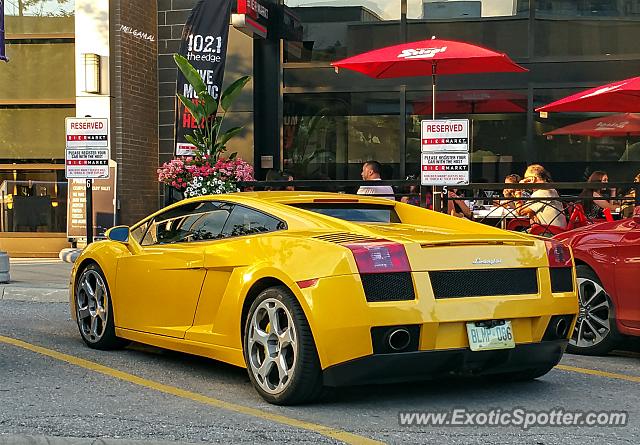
x=271, y=200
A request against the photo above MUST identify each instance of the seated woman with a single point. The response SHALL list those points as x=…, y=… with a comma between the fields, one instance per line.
x=543, y=212
x=594, y=208
x=509, y=194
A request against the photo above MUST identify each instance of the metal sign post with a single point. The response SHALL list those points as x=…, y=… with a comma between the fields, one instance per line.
x=89, y=210
x=87, y=157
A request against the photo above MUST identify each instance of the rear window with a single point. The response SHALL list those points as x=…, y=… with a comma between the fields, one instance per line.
x=371, y=213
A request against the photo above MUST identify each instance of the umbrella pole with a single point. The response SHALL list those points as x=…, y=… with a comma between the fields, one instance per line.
x=626, y=148
x=433, y=90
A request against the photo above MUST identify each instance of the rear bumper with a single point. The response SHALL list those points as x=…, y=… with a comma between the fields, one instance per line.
x=422, y=365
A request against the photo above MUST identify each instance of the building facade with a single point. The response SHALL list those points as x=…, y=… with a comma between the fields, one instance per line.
x=299, y=115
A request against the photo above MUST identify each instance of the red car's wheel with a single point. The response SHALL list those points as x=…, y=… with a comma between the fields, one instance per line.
x=595, y=332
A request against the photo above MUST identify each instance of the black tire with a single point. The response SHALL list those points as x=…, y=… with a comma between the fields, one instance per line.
x=596, y=314
x=302, y=380
x=91, y=309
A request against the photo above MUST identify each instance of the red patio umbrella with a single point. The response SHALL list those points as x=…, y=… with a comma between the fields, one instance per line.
x=474, y=101
x=623, y=124
x=434, y=56
x=621, y=96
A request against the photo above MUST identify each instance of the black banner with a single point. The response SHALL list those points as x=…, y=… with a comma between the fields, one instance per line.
x=204, y=45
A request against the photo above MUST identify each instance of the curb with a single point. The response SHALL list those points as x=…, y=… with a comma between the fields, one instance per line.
x=35, y=294
x=69, y=254
x=10, y=439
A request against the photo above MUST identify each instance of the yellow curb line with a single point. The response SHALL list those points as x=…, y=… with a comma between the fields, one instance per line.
x=333, y=433
x=611, y=375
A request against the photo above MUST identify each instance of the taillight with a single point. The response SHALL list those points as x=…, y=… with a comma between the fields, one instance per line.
x=558, y=253
x=380, y=257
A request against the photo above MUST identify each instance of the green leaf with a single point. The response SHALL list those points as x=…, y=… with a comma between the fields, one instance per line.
x=231, y=93
x=192, y=141
x=194, y=109
x=224, y=137
x=210, y=104
x=190, y=73
x=233, y=155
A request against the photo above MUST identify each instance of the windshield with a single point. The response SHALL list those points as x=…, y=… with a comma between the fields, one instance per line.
x=371, y=213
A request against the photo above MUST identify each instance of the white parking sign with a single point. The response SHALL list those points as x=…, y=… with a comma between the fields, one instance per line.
x=445, y=169
x=87, y=132
x=86, y=163
x=445, y=135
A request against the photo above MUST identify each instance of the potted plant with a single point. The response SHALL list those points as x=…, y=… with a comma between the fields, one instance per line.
x=208, y=170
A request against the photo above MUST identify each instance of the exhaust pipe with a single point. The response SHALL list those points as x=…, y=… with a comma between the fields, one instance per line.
x=561, y=328
x=398, y=339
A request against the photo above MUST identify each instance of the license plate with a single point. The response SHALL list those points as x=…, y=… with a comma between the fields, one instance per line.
x=488, y=335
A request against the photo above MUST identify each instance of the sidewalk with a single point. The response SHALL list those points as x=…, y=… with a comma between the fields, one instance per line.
x=37, y=279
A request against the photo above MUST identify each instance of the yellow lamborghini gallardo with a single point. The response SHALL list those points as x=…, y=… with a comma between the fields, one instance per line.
x=313, y=290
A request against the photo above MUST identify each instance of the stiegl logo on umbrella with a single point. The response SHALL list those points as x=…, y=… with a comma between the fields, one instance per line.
x=421, y=53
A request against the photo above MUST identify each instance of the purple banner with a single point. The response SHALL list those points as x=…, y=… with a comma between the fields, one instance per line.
x=3, y=55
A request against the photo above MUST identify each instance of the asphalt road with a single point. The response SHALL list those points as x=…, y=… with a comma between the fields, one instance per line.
x=51, y=384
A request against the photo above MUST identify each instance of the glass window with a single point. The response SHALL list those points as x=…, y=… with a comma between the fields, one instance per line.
x=138, y=232
x=465, y=9
x=39, y=16
x=335, y=29
x=197, y=221
x=573, y=157
x=586, y=28
x=35, y=205
x=23, y=77
x=355, y=212
x=331, y=135
x=246, y=221
x=501, y=25
x=587, y=8
x=33, y=133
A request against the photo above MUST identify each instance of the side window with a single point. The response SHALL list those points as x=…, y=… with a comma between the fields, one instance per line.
x=139, y=231
x=246, y=221
x=190, y=222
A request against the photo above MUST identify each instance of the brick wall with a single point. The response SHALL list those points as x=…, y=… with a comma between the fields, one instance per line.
x=134, y=80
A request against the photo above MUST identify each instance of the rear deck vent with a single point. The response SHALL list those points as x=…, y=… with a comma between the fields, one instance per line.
x=340, y=238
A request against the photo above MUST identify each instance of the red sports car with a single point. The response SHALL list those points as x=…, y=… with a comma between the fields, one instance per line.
x=607, y=257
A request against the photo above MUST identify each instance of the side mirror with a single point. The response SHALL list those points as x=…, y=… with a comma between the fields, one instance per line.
x=119, y=234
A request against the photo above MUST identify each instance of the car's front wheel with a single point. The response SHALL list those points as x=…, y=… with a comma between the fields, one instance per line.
x=94, y=311
x=595, y=332
x=279, y=349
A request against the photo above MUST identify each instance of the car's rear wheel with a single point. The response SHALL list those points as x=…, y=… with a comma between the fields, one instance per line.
x=279, y=350
x=595, y=332
x=94, y=311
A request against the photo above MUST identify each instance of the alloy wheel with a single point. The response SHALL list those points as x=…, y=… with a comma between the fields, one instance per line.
x=593, y=325
x=272, y=346
x=92, y=305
